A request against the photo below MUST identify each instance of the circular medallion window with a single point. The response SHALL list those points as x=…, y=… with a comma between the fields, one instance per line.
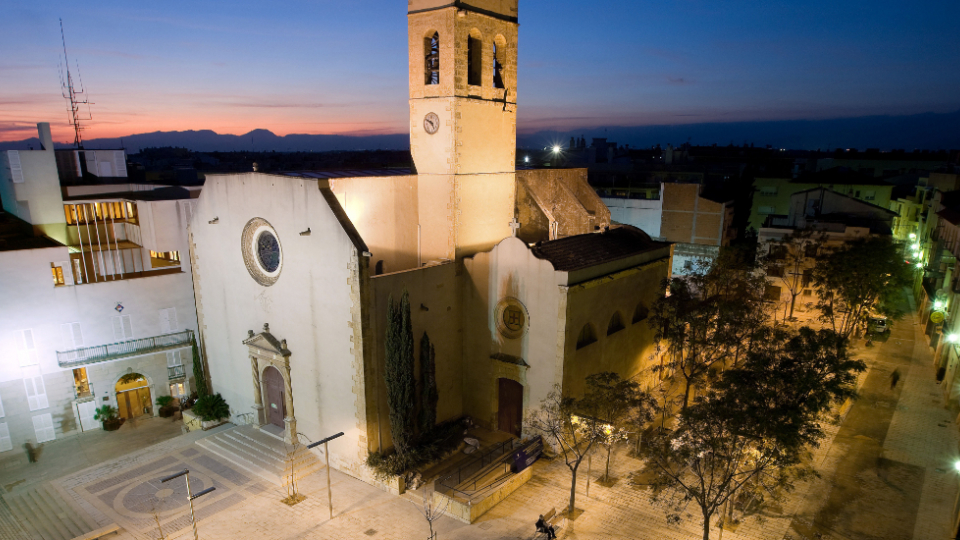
x=261, y=250
x=511, y=317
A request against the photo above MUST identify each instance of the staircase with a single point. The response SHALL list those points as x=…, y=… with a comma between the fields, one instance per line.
x=261, y=454
x=46, y=514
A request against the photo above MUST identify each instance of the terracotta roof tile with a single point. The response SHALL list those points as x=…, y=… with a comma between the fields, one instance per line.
x=586, y=250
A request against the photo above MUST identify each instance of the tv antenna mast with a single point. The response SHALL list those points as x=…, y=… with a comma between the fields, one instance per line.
x=72, y=94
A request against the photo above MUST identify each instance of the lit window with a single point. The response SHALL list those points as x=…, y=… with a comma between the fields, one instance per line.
x=57, y=275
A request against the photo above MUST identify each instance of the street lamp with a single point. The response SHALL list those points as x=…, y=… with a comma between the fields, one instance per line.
x=190, y=496
x=556, y=149
x=326, y=452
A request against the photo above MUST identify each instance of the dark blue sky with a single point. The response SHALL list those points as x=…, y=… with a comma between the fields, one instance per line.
x=340, y=67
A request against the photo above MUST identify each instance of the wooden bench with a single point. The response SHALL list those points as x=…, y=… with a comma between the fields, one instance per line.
x=99, y=533
x=552, y=520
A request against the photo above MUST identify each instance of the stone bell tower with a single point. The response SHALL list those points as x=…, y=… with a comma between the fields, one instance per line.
x=463, y=122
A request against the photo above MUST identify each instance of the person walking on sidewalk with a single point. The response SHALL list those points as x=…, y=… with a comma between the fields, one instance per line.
x=894, y=378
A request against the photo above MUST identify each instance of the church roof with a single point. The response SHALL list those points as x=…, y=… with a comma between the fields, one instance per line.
x=349, y=173
x=585, y=250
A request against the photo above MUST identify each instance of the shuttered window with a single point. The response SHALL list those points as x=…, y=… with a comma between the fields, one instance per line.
x=43, y=427
x=5, y=442
x=168, y=321
x=27, y=349
x=174, y=359
x=16, y=170
x=36, y=392
x=122, y=328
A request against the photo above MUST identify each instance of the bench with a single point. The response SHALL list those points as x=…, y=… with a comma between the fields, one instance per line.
x=99, y=533
x=552, y=520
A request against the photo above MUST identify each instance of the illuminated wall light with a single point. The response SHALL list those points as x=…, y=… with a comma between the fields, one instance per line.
x=913, y=236
x=956, y=465
x=951, y=338
x=919, y=265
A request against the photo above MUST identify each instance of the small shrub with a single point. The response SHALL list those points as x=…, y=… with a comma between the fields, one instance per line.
x=430, y=447
x=164, y=401
x=105, y=413
x=211, y=407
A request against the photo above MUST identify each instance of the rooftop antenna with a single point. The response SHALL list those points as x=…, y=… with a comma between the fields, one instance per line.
x=72, y=94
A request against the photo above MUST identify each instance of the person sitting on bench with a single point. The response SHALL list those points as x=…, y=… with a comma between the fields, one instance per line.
x=546, y=528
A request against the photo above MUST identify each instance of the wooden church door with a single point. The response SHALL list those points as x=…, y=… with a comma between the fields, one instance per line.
x=273, y=384
x=511, y=407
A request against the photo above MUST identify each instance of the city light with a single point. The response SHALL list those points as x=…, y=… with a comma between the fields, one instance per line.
x=526, y=159
x=916, y=246
x=913, y=236
x=919, y=265
x=556, y=149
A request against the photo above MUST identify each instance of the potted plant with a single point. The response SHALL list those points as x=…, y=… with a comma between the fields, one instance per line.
x=108, y=416
x=167, y=405
x=211, y=409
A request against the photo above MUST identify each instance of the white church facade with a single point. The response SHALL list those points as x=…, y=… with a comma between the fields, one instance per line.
x=516, y=276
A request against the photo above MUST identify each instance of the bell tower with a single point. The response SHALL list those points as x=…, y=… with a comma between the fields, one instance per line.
x=463, y=122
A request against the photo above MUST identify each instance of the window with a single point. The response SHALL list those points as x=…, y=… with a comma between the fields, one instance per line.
x=16, y=171
x=810, y=250
x=36, y=392
x=177, y=390
x=777, y=252
x=772, y=293
x=499, y=54
x=57, y=275
x=27, y=348
x=869, y=195
x=161, y=259
x=81, y=384
x=768, y=190
x=378, y=270
x=474, y=59
x=168, y=321
x=71, y=339
x=122, y=328
x=775, y=270
x=431, y=54
x=807, y=292
x=587, y=336
x=640, y=313
x=174, y=359
x=807, y=277
x=43, y=427
x=5, y=442
x=616, y=324
x=767, y=210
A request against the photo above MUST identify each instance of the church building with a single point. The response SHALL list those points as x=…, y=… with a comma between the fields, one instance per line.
x=516, y=275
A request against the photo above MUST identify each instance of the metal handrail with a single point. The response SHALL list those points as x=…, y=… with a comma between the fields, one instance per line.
x=113, y=351
x=176, y=372
x=455, y=478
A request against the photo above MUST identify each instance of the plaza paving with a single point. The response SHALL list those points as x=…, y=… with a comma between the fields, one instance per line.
x=886, y=473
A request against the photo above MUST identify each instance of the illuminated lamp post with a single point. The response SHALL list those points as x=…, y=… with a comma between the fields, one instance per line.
x=190, y=496
x=326, y=453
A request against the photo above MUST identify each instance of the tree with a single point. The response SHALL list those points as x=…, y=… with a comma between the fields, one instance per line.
x=198, y=376
x=863, y=277
x=792, y=258
x=708, y=317
x=428, y=385
x=558, y=421
x=753, y=429
x=431, y=509
x=621, y=404
x=398, y=373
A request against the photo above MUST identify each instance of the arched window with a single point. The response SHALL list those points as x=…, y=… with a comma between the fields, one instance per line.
x=616, y=323
x=499, y=54
x=640, y=313
x=474, y=58
x=379, y=268
x=587, y=336
x=431, y=54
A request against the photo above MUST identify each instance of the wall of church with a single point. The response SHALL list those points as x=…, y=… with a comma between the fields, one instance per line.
x=565, y=198
x=434, y=309
x=385, y=212
x=627, y=351
x=509, y=270
x=311, y=305
x=485, y=208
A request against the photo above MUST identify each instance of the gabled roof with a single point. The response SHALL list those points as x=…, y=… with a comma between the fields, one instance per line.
x=586, y=250
x=838, y=194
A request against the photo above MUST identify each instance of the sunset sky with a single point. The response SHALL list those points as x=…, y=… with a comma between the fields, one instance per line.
x=340, y=67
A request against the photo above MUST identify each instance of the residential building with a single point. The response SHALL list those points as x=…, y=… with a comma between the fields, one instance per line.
x=104, y=315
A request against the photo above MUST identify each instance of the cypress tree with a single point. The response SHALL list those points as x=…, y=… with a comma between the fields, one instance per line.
x=428, y=385
x=398, y=373
x=198, y=379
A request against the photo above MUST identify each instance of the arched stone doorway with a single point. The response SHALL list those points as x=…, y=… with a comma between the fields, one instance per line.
x=133, y=396
x=275, y=393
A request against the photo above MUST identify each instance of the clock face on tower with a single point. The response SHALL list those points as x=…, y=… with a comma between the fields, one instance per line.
x=431, y=123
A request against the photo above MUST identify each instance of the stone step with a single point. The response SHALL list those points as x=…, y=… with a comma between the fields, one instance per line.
x=263, y=455
x=46, y=514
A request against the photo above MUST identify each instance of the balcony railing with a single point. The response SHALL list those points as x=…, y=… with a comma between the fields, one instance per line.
x=175, y=372
x=123, y=349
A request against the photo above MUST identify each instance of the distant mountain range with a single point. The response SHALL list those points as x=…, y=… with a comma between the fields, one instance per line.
x=928, y=131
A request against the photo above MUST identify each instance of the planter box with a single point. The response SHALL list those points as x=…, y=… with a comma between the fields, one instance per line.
x=193, y=422
x=112, y=425
x=167, y=412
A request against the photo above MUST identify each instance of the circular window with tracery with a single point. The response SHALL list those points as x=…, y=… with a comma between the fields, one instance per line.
x=511, y=317
x=261, y=250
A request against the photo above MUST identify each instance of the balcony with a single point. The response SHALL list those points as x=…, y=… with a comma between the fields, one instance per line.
x=123, y=349
x=176, y=372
